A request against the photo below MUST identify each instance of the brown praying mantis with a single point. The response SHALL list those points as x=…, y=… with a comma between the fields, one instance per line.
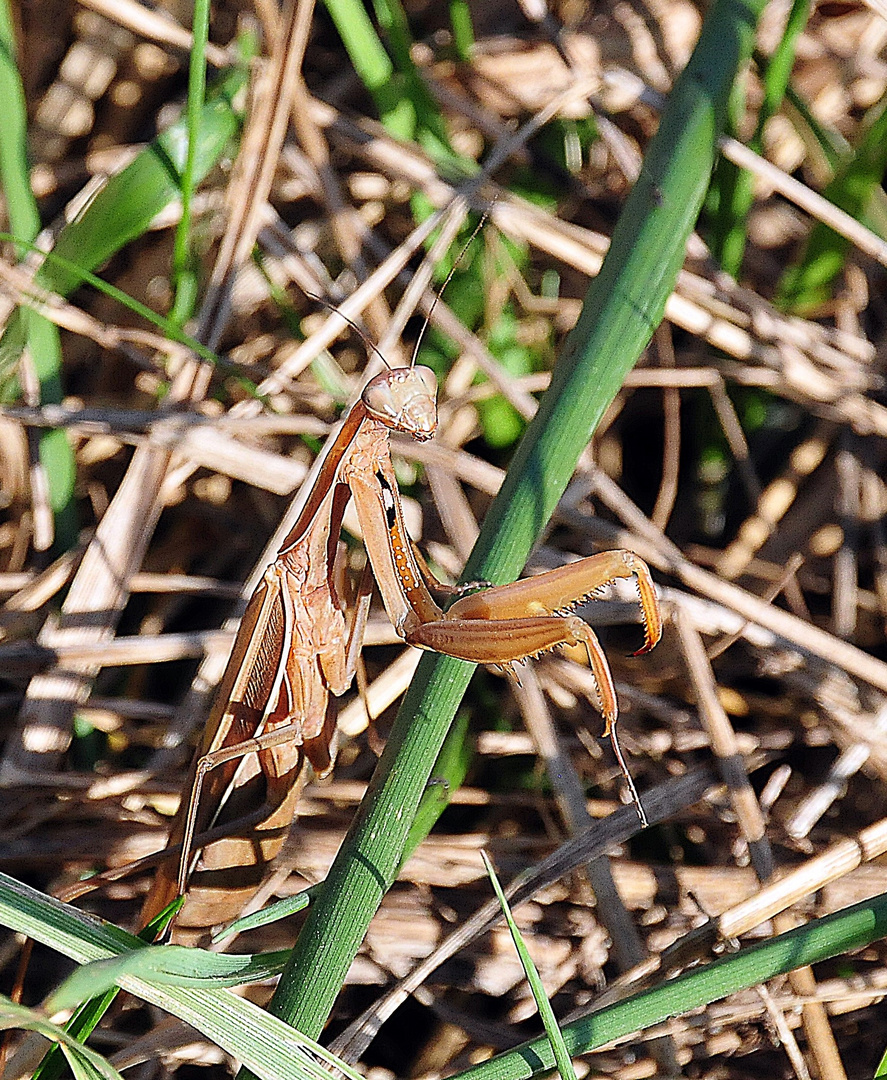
x=295, y=647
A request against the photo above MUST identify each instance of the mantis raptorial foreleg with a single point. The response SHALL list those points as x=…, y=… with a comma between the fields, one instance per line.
x=294, y=649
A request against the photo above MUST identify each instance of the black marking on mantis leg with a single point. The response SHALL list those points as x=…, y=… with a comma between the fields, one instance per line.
x=388, y=503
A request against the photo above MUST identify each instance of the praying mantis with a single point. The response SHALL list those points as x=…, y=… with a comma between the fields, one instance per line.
x=295, y=646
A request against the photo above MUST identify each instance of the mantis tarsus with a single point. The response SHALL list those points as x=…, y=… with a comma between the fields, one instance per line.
x=294, y=647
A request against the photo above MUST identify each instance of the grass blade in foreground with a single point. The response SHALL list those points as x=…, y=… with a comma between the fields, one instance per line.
x=624, y=305
x=83, y=1061
x=273, y=1050
x=853, y=928
x=555, y=1036
x=95, y=1003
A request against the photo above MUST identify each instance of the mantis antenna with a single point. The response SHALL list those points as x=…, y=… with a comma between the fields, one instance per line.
x=354, y=326
x=447, y=280
x=366, y=338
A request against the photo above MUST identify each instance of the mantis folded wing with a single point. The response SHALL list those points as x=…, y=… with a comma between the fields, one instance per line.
x=294, y=647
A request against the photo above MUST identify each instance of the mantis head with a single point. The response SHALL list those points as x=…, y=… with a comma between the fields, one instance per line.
x=404, y=399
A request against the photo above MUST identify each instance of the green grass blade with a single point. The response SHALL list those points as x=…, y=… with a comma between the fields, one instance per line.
x=167, y=965
x=83, y=1062
x=373, y=65
x=184, y=267
x=856, y=189
x=624, y=305
x=429, y=125
x=83, y=1022
x=820, y=940
x=121, y=211
x=829, y=144
x=269, y=1047
x=84, y=277
x=463, y=29
x=129, y=202
x=132, y=198
x=730, y=199
x=20, y=204
x=737, y=185
x=282, y=909
x=38, y=334
x=553, y=1032
x=87, y=1016
x=405, y=105
x=777, y=70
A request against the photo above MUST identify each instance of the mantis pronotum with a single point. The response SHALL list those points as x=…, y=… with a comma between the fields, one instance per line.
x=294, y=646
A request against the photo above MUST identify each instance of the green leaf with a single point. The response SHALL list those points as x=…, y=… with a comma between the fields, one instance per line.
x=735, y=186
x=167, y=965
x=270, y=1048
x=38, y=334
x=856, y=189
x=80, y=1026
x=86, y=277
x=84, y=1062
x=463, y=28
x=132, y=198
x=853, y=928
x=406, y=107
x=125, y=208
x=282, y=909
x=87, y=1016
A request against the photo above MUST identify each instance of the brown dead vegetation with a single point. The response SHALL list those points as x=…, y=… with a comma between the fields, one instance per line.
x=768, y=536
